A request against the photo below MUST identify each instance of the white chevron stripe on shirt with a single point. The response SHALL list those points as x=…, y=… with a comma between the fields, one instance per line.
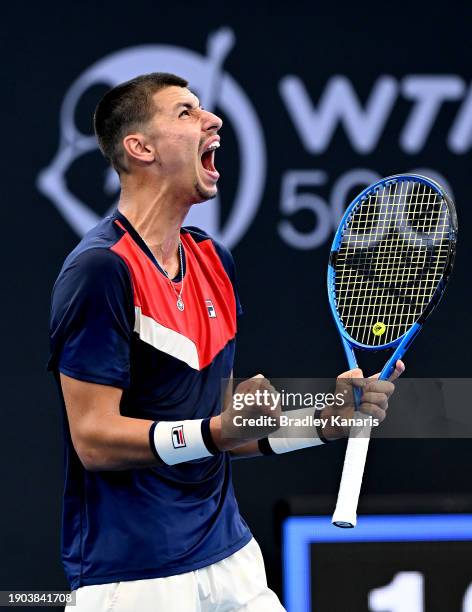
x=166, y=340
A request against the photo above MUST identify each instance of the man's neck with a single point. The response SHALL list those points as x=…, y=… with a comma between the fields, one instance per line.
x=157, y=216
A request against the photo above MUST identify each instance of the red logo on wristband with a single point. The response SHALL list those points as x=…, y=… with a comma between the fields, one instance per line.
x=178, y=439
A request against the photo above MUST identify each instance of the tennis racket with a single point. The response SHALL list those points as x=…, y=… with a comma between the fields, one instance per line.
x=389, y=264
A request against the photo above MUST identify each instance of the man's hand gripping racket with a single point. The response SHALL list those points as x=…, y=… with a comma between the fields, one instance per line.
x=389, y=264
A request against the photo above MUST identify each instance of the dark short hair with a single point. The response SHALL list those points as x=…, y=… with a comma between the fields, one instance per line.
x=126, y=108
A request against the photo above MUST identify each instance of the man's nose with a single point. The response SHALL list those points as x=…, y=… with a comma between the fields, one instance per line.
x=211, y=121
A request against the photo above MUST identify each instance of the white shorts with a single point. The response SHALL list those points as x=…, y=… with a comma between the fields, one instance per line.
x=235, y=583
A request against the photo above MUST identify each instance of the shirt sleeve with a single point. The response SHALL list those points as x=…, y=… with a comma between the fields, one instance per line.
x=92, y=319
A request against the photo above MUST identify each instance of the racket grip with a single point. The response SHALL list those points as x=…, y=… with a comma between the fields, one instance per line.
x=345, y=514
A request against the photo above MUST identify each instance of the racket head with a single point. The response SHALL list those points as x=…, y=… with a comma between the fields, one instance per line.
x=390, y=260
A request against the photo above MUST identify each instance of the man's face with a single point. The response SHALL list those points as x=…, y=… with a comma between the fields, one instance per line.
x=185, y=137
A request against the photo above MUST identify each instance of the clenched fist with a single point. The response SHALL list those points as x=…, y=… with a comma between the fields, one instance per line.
x=252, y=414
x=374, y=399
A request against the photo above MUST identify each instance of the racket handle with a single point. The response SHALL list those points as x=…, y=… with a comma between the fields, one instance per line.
x=345, y=514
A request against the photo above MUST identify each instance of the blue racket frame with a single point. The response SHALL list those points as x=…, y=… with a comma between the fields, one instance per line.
x=401, y=344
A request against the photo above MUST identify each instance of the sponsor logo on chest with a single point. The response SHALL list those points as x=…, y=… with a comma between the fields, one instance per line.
x=210, y=309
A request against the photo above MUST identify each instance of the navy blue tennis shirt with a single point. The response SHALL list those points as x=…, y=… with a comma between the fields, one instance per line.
x=114, y=321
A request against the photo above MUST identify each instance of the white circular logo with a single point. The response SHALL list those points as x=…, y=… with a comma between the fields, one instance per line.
x=216, y=89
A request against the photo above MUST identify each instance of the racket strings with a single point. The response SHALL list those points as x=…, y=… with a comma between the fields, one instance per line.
x=393, y=252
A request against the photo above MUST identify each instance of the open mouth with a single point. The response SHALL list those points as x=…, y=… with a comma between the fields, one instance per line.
x=208, y=159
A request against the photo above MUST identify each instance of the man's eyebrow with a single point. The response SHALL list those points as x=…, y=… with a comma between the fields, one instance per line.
x=188, y=105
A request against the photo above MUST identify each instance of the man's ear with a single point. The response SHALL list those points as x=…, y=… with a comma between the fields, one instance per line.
x=138, y=148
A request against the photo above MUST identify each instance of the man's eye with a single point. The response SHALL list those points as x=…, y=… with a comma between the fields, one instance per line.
x=184, y=112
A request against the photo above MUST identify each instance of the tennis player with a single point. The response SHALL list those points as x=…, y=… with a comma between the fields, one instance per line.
x=142, y=332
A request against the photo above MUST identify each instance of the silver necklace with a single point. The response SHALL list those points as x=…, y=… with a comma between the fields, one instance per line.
x=180, y=302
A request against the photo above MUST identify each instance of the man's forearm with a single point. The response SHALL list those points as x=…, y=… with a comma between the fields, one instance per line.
x=227, y=444
x=249, y=449
x=283, y=441
x=119, y=443
x=122, y=443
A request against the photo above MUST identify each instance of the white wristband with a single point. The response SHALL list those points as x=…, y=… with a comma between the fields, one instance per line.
x=178, y=441
x=284, y=441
